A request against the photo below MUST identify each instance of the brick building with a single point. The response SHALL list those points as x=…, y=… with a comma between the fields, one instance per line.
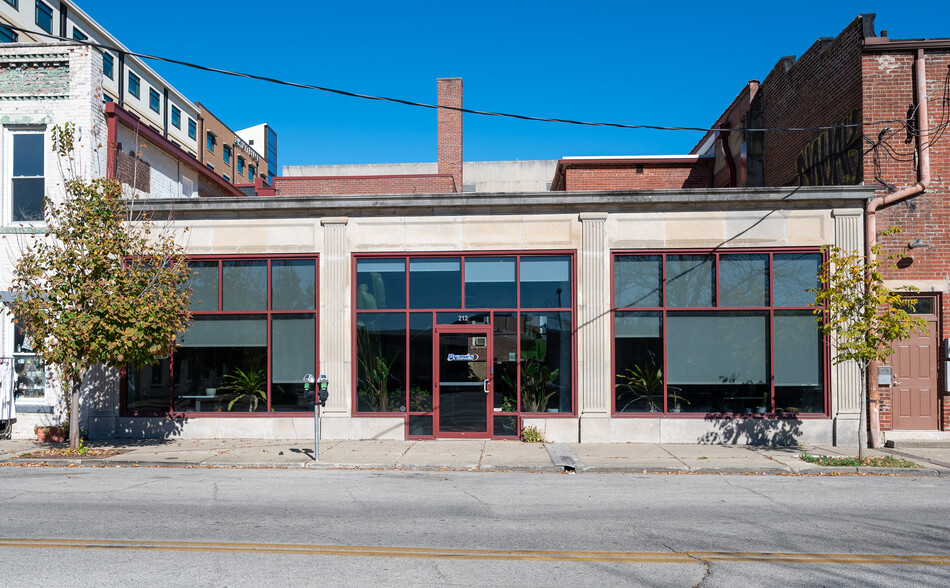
x=226, y=154
x=883, y=105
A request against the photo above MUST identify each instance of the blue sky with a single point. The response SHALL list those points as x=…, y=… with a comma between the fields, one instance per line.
x=671, y=64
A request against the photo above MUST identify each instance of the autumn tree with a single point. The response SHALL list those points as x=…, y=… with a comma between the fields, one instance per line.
x=100, y=287
x=862, y=315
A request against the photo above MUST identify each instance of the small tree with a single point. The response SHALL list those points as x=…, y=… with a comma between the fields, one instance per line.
x=862, y=316
x=97, y=288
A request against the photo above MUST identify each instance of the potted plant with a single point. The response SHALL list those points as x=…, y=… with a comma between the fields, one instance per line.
x=51, y=433
x=764, y=407
x=642, y=383
x=249, y=386
x=678, y=399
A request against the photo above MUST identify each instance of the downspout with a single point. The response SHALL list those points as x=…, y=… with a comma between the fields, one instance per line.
x=870, y=227
x=724, y=130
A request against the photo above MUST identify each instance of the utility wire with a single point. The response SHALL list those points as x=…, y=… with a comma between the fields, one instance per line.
x=442, y=107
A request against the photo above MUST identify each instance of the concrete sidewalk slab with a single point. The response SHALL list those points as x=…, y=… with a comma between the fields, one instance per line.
x=269, y=454
x=630, y=457
x=516, y=456
x=463, y=454
x=363, y=454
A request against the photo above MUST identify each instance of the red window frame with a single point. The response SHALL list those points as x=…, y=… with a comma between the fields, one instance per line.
x=517, y=310
x=268, y=313
x=663, y=309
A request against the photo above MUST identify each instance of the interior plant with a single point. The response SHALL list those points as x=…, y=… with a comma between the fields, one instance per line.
x=249, y=386
x=536, y=389
x=420, y=400
x=373, y=385
x=643, y=384
x=508, y=404
x=676, y=398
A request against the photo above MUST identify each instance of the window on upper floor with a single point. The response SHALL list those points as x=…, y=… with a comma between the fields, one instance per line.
x=28, y=180
x=192, y=129
x=240, y=165
x=176, y=117
x=212, y=140
x=226, y=151
x=154, y=100
x=79, y=35
x=227, y=178
x=133, y=84
x=108, y=64
x=44, y=16
x=250, y=172
x=210, y=166
x=8, y=35
x=106, y=98
x=13, y=3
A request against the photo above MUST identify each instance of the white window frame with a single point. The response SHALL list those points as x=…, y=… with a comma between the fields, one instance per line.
x=8, y=134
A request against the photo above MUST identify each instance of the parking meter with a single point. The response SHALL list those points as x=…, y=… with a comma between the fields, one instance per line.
x=309, y=393
x=322, y=389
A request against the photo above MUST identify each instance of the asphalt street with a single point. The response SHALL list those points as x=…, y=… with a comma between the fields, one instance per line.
x=260, y=527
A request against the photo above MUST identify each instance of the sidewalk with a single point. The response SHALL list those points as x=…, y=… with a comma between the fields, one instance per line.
x=480, y=455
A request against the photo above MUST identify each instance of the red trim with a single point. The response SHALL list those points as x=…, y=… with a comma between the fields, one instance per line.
x=115, y=114
x=517, y=310
x=769, y=309
x=266, y=314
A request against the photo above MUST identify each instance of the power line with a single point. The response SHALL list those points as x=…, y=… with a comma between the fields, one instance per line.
x=442, y=107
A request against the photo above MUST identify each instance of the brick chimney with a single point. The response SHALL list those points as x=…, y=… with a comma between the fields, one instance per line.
x=450, y=129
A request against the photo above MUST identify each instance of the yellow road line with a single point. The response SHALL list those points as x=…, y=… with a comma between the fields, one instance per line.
x=484, y=554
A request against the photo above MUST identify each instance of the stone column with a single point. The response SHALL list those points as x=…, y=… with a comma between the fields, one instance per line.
x=335, y=316
x=846, y=385
x=593, y=330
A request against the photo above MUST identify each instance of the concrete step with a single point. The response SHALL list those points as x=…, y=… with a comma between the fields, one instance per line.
x=917, y=444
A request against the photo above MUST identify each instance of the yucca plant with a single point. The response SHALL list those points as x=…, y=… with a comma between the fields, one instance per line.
x=249, y=386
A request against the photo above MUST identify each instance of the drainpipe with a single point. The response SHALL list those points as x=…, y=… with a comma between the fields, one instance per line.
x=870, y=227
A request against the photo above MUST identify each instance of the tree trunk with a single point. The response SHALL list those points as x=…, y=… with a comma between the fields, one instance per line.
x=862, y=423
x=74, y=386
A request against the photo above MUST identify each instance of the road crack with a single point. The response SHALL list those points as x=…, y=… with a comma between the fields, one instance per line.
x=705, y=563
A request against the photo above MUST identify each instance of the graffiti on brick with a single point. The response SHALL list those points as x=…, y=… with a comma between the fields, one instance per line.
x=833, y=157
x=23, y=79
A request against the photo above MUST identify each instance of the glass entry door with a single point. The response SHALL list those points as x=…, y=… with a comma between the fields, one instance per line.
x=464, y=382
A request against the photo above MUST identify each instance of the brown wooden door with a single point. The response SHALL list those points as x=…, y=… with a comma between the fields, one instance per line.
x=914, y=404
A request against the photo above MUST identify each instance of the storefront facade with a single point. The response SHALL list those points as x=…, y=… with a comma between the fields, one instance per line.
x=673, y=316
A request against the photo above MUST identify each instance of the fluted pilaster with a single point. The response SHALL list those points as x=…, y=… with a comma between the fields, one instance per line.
x=334, y=314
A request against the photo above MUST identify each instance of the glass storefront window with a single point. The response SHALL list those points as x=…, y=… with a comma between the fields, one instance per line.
x=228, y=362
x=244, y=285
x=380, y=284
x=204, y=286
x=490, y=282
x=293, y=355
x=29, y=370
x=401, y=349
x=545, y=362
x=690, y=281
x=435, y=282
x=749, y=350
x=293, y=284
x=381, y=362
x=545, y=282
x=638, y=281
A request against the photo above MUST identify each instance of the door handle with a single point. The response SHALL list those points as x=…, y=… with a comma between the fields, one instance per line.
x=485, y=386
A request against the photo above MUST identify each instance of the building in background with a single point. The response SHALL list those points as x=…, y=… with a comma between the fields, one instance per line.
x=263, y=139
x=126, y=79
x=227, y=154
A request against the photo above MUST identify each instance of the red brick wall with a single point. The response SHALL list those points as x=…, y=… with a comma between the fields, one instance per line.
x=888, y=95
x=823, y=87
x=450, y=129
x=653, y=176
x=334, y=185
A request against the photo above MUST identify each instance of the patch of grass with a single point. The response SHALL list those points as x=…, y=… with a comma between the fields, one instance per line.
x=888, y=461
